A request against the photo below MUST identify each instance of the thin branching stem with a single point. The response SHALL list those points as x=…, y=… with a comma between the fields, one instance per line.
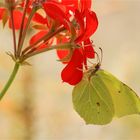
x=60, y=46
x=13, y=30
x=22, y=23
x=44, y=38
x=25, y=31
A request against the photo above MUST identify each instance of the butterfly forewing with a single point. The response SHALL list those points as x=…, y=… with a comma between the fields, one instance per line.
x=125, y=100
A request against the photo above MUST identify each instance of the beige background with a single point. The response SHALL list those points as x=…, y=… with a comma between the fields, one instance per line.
x=38, y=105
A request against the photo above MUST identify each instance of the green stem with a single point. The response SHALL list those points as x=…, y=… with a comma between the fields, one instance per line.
x=45, y=37
x=25, y=31
x=22, y=23
x=13, y=30
x=60, y=47
x=10, y=80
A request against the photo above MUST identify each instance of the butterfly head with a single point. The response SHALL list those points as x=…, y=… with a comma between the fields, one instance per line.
x=95, y=66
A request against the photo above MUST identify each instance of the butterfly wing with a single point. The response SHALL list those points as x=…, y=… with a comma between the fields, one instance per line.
x=91, y=99
x=125, y=100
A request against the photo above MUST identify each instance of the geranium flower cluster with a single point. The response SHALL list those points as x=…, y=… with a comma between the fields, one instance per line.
x=64, y=25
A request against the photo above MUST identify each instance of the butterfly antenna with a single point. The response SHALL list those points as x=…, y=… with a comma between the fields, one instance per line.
x=98, y=58
x=101, y=51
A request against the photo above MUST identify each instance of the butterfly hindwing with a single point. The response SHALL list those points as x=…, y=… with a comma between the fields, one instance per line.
x=125, y=100
x=92, y=101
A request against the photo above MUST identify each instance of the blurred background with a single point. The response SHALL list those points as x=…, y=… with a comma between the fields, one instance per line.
x=38, y=106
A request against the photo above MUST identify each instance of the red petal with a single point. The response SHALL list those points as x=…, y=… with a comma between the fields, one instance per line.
x=80, y=21
x=73, y=73
x=42, y=46
x=40, y=19
x=91, y=25
x=37, y=36
x=37, y=17
x=55, y=11
x=85, y=4
x=77, y=57
x=88, y=49
x=70, y=4
x=62, y=53
x=1, y=12
x=17, y=19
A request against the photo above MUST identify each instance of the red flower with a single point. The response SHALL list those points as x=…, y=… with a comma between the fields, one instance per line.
x=88, y=27
x=85, y=24
x=17, y=17
x=73, y=73
x=57, y=12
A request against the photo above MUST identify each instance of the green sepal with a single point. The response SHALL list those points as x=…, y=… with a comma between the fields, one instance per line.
x=39, y=27
x=11, y=55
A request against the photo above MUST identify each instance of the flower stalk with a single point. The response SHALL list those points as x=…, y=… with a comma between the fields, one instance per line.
x=25, y=31
x=13, y=31
x=45, y=37
x=22, y=24
x=10, y=80
x=64, y=46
